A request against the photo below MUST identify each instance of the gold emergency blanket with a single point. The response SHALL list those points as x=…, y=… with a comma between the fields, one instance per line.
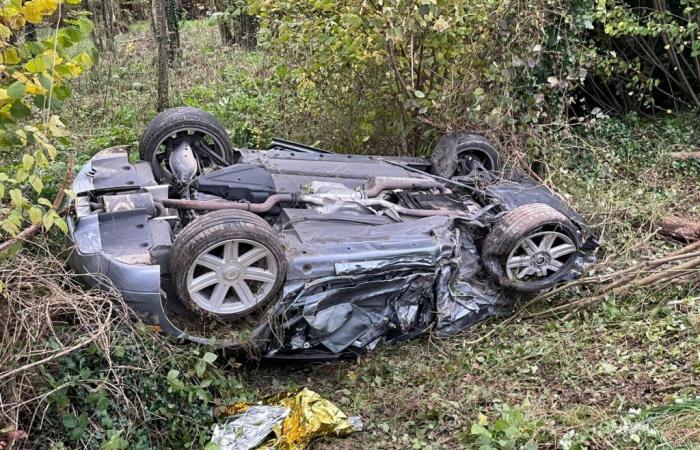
x=306, y=414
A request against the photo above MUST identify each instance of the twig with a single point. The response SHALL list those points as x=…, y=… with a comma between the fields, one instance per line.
x=65, y=351
x=689, y=251
x=618, y=288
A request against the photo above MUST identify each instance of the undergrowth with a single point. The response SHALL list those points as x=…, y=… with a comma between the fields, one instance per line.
x=121, y=386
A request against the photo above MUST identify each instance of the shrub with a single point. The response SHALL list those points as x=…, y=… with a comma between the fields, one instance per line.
x=35, y=75
x=395, y=72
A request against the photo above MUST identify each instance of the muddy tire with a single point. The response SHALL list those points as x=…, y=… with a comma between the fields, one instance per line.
x=456, y=153
x=227, y=264
x=531, y=248
x=174, y=123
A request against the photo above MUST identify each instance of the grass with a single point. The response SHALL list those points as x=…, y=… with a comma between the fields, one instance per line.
x=623, y=375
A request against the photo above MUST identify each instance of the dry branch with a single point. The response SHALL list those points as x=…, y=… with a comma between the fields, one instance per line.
x=31, y=231
x=685, y=156
x=680, y=228
x=680, y=263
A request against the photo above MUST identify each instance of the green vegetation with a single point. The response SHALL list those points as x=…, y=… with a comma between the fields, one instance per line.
x=621, y=375
x=165, y=398
x=34, y=84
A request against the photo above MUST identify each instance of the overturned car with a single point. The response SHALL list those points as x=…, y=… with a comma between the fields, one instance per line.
x=294, y=252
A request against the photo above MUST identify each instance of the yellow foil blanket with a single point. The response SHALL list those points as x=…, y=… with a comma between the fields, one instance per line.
x=294, y=418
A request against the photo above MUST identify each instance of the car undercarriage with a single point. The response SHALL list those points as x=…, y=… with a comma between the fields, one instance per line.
x=299, y=253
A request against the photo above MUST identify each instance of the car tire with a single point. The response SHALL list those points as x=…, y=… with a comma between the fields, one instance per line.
x=174, y=121
x=201, y=255
x=454, y=153
x=531, y=238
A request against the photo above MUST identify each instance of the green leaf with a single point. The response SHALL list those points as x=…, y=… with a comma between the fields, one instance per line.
x=35, y=215
x=11, y=56
x=16, y=90
x=84, y=60
x=39, y=101
x=16, y=198
x=56, y=104
x=74, y=33
x=86, y=25
x=21, y=175
x=19, y=110
x=69, y=421
x=46, y=81
x=48, y=220
x=61, y=224
x=10, y=228
x=173, y=374
x=115, y=441
x=209, y=357
x=480, y=430
x=200, y=367
x=36, y=65
x=63, y=71
x=27, y=162
x=500, y=425
x=61, y=92
x=35, y=47
x=419, y=94
x=37, y=184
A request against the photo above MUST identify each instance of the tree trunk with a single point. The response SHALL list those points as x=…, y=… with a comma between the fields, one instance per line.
x=96, y=35
x=108, y=21
x=103, y=18
x=160, y=31
x=245, y=31
x=226, y=33
x=241, y=31
x=173, y=15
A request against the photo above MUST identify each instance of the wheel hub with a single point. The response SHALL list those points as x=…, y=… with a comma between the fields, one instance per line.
x=231, y=273
x=541, y=259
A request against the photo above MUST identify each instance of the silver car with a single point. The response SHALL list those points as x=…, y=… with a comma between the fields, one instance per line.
x=298, y=253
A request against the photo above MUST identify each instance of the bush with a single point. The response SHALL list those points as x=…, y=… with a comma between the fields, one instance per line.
x=420, y=66
x=393, y=73
x=510, y=431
